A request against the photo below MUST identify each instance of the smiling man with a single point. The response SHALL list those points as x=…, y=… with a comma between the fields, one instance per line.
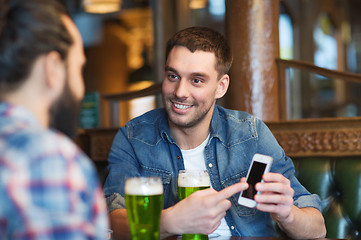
x=192, y=132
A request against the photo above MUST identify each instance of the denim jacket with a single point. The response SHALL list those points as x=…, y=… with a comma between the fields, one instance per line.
x=144, y=147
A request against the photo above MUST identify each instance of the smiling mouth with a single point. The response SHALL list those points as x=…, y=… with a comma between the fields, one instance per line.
x=181, y=106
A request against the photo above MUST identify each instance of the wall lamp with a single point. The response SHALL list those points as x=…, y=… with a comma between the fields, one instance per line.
x=102, y=6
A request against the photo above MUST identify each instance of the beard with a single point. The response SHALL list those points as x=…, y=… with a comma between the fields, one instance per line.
x=64, y=112
x=191, y=121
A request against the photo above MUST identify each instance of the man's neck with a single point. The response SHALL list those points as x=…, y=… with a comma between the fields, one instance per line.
x=37, y=108
x=189, y=138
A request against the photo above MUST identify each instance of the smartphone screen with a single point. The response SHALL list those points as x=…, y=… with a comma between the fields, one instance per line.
x=254, y=177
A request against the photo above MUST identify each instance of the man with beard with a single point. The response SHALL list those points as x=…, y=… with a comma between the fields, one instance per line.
x=192, y=132
x=49, y=189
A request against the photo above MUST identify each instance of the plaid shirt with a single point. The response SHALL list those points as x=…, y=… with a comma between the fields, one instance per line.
x=48, y=188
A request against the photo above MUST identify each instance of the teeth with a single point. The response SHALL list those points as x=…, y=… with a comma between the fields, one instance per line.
x=180, y=106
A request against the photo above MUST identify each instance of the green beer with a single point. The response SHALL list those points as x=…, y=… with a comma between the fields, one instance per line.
x=144, y=203
x=184, y=192
x=190, y=181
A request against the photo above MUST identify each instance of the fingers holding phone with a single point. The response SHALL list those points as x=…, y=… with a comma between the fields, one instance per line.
x=269, y=192
x=260, y=165
x=276, y=195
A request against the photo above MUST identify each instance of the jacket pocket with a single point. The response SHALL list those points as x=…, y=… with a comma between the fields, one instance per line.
x=166, y=177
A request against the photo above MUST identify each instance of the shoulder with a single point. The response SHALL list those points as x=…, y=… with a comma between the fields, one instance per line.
x=65, y=151
x=45, y=148
x=234, y=127
x=234, y=115
x=47, y=157
x=55, y=142
x=147, y=128
x=236, y=119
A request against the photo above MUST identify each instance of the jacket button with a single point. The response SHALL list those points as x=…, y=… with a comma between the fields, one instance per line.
x=232, y=227
x=210, y=165
x=178, y=157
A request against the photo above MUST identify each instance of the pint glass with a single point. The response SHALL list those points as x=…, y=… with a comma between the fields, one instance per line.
x=190, y=181
x=144, y=203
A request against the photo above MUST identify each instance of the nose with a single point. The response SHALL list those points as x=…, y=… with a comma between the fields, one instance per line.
x=181, y=91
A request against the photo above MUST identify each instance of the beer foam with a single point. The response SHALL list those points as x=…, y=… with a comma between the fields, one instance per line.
x=141, y=186
x=189, y=181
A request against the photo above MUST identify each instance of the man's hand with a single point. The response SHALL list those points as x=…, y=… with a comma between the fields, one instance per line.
x=276, y=196
x=201, y=212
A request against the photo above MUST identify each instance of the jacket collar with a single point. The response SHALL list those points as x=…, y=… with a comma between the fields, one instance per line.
x=216, y=125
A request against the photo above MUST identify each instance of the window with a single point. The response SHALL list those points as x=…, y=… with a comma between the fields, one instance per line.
x=325, y=54
x=285, y=35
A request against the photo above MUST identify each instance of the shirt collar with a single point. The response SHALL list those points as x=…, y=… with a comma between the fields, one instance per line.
x=8, y=110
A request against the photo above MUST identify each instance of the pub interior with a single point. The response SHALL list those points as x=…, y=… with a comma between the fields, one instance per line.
x=296, y=66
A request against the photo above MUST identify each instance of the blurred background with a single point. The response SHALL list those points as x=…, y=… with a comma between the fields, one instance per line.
x=124, y=43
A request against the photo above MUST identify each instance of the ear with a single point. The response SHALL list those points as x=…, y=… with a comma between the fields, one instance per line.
x=54, y=73
x=222, y=87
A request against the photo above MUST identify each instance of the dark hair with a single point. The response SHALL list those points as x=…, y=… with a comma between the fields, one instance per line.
x=29, y=29
x=204, y=39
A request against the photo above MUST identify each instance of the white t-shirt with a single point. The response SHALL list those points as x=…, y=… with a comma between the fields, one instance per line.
x=194, y=159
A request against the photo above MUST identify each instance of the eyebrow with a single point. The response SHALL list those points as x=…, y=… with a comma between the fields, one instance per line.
x=200, y=74
x=196, y=74
x=168, y=68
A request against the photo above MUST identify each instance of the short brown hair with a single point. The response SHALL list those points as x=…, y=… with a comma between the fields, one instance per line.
x=203, y=39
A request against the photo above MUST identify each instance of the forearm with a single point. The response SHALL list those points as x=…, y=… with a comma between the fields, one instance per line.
x=119, y=224
x=166, y=224
x=304, y=223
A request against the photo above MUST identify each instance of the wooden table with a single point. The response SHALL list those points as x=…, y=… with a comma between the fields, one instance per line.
x=243, y=238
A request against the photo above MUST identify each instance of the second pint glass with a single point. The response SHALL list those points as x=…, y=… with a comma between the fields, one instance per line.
x=190, y=181
x=144, y=203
